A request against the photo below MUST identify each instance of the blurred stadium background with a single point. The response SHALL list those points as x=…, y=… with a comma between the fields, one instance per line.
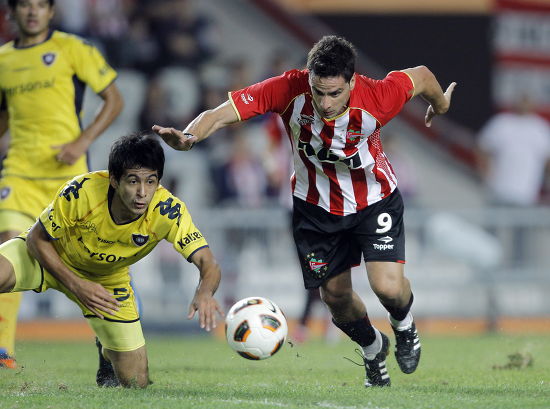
x=177, y=57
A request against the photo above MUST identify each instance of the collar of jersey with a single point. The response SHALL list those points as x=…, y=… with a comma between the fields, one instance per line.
x=50, y=33
x=337, y=116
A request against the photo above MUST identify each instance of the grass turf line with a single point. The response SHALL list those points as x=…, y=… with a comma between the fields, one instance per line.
x=202, y=372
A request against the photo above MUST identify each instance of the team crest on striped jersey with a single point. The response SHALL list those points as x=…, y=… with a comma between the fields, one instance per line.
x=316, y=265
x=48, y=58
x=353, y=137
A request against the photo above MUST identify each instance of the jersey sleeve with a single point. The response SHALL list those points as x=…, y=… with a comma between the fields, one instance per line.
x=388, y=96
x=90, y=66
x=62, y=212
x=271, y=95
x=183, y=234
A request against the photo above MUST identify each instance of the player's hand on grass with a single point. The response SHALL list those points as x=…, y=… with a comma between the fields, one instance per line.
x=176, y=139
x=430, y=113
x=207, y=308
x=70, y=152
x=95, y=297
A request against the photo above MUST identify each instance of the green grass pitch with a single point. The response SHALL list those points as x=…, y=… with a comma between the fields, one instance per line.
x=202, y=372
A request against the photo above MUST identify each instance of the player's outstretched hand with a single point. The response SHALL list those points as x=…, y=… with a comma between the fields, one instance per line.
x=207, y=307
x=430, y=113
x=95, y=297
x=176, y=139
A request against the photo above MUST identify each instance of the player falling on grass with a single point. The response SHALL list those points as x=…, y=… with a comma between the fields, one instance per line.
x=346, y=201
x=83, y=243
x=43, y=74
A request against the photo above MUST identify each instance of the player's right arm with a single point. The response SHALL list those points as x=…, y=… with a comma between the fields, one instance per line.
x=200, y=128
x=271, y=95
x=92, y=295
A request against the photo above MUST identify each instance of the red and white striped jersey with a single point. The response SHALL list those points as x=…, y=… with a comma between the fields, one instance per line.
x=339, y=163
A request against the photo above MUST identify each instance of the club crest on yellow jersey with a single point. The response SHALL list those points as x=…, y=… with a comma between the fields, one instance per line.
x=48, y=58
x=140, y=239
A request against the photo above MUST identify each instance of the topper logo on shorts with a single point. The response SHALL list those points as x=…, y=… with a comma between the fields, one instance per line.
x=386, y=246
x=382, y=246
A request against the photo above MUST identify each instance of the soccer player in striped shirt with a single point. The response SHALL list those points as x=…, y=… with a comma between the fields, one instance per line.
x=346, y=200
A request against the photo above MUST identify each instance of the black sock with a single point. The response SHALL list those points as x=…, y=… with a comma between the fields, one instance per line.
x=360, y=331
x=399, y=313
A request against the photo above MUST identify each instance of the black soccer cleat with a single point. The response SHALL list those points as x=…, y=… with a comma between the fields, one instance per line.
x=377, y=373
x=105, y=377
x=407, y=349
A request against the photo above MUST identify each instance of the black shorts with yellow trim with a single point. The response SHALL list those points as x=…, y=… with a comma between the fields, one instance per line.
x=329, y=244
x=120, y=331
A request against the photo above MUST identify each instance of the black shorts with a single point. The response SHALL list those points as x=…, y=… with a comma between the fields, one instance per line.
x=328, y=244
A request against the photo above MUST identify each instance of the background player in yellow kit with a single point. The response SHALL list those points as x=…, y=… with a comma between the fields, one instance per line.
x=43, y=74
x=98, y=225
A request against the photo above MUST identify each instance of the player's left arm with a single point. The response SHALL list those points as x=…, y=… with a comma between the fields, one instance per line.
x=203, y=302
x=112, y=105
x=427, y=86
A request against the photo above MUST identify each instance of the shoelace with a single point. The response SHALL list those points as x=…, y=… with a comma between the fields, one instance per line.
x=358, y=352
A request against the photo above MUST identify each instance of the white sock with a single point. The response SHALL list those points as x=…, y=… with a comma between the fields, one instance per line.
x=401, y=325
x=371, y=350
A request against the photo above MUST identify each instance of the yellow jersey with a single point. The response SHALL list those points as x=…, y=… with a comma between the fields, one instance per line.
x=42, y=87
x=95, y=247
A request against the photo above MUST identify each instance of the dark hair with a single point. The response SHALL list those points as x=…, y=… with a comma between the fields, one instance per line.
x=13, y=3
x=135, y=151
x=332, y=56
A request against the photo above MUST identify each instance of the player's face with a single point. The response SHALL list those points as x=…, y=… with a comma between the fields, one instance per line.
x=33, y=17
x=330, y=94
x=133, y=193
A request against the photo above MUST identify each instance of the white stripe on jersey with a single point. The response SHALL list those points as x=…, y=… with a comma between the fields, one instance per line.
x=300, y=170
x=342, y=171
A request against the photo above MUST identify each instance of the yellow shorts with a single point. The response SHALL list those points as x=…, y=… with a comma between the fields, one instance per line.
x=118, y=332
x=27, y=196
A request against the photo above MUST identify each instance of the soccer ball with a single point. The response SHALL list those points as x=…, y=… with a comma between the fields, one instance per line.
x=255, y=328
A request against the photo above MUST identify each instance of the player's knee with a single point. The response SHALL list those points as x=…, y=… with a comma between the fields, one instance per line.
x=131, y=368
x=388, y=291
x=336, y=299
x=136, y=382
x=132, y=378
